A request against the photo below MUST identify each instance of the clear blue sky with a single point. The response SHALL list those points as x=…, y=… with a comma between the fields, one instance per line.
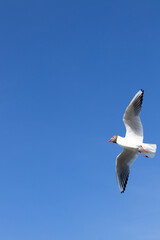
x=68, y=70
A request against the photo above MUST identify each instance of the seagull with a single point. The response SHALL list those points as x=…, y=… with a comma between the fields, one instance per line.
x=132, y=143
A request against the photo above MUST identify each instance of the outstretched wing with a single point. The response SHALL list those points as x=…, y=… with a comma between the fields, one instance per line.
x=134, y=128
x=123, y=162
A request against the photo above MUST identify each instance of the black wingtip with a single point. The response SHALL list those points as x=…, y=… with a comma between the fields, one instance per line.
x=142, y=90
x=125, y=184
x=124, y=188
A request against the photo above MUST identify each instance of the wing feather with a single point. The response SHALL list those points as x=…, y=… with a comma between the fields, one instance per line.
x=134, y=128
x=123, y=163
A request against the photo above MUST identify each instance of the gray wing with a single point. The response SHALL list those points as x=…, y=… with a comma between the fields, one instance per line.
x=134, y=128
x=123, y=162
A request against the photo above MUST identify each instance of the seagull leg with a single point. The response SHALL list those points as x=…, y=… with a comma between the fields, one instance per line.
x=143, y=149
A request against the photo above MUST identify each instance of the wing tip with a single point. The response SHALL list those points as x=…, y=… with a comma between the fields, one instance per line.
x=125, y=184
x=123, y=190
x=142, y=91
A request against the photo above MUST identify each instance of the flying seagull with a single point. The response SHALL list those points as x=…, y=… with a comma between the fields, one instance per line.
x=132, y=143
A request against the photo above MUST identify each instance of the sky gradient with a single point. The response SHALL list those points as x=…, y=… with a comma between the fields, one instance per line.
x=68, y=71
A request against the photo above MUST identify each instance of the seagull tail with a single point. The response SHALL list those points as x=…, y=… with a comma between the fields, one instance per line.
x=150, y=149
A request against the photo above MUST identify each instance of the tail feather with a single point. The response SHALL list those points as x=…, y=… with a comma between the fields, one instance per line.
x=150, y=149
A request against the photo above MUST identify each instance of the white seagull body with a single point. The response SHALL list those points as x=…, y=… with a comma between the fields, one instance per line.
x=132, y=143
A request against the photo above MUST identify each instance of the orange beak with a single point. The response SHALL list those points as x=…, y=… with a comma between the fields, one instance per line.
x=109, y=140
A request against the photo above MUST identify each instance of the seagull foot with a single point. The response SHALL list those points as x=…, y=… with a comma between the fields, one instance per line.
x=144, y=155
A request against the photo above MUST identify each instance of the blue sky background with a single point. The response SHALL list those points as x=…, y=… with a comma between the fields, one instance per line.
x=68, y=70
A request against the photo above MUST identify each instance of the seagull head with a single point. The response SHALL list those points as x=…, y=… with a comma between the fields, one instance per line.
x=113, y=139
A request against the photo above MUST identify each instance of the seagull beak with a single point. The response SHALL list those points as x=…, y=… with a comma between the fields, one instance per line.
x=109, y=140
